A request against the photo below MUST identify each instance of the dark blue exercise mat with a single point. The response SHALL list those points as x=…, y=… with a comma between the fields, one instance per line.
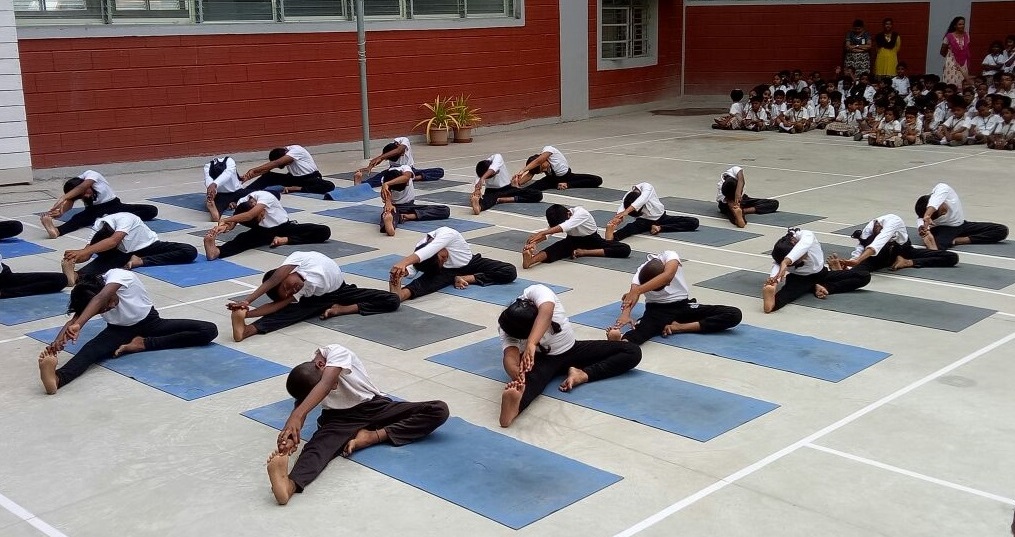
x=11, y=248
x=371, y=214
x=1004, y=248
x=195, y=201
x=32, y=308
x=405, y=329
x=704, y=235
x=604, y=194
x=691, y=410
x=188, y=373
x=447, y=197
x=963, y=273
x=488, y=473
x=513, y=240
x=874, y=304
x=158, y=225
x=803, y=355
x=199, y=272
x=711, y=208
x=433, y=178
x=333, y=249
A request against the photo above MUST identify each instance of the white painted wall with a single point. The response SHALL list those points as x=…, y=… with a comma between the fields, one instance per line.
x=941, y=13
x=15, y=159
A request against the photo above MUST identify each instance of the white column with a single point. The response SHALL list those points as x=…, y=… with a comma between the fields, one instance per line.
x=15, y=159
x=574, y=59
x=941, y=13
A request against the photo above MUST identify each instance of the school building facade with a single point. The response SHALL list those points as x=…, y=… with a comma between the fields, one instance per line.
x=85, y=82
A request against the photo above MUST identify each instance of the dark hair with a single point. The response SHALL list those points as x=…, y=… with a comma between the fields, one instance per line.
x=984, y=102
x=430, y=265
x=912, y=110
x=390, y=147
x=276, y=153
x=391, y=174
x=245, y=206
x=301, y=381
x=518, y=318
x=530, y=159
x=756, y=99
x=887, y=19
x=630, y=198
x=779, y=92
x=84, y=291
x=71, y=184
x=556, y=214
x=997, y=44
x=729, y=187
x=858, y=23
x=835, y=96
x=103, y=233
x=858, y=235
x=784, y=245
x=902, y=65
x=792, y=94
x=272, y=293
x=482, y=167
x=921, y=205
x=737, y=95
x=956, y=101
x=650, y=270
x=1008, y=108
x=954, y=24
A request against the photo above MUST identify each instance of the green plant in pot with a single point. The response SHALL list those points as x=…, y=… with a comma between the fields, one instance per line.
x=467, y=117
x=442, y=119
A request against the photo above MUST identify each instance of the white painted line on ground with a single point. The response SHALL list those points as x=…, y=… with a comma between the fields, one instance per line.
x=28, y=517
x=198, y=301
x=19, y=338
x=244, y=284
x=750, y=469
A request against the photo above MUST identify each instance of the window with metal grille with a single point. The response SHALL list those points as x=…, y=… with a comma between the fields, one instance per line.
x=624, y=29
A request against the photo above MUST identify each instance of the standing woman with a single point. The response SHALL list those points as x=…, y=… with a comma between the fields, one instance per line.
x=955, y=49
x=858, y=46
x=888, y=42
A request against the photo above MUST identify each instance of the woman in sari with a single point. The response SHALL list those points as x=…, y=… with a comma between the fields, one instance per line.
x=858, y=46
x=955, y=49
x=888, y=42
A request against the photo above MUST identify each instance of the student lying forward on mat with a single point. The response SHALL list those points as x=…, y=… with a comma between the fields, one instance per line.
x=800, y=262
x=397, y=153
x=643, y=203
x=355, y=416
x=14, y=285
x=556, y=173
x=492, y=173
x=539, y=344
x=302, y=174
x=98, y=198
x=581, y=238
x=132, y=325
x=884, y=242
x=399, y=198
x=668, y=306
x=268, y=224
x=943, y=223
x=734, y=204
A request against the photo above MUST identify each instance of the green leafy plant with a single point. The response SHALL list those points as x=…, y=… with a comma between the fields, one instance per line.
x=442, y=116
x=464, y=113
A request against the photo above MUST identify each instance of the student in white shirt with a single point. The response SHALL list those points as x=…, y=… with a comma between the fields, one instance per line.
x=943, y=223
x=222, y=185
x=888, y=132
x=493, y=175
x=1003, y=135
x=399, y=196
x=756, y=116
x=777, y=109
x=581, y=238
x=305, y=285
x=824, y=113
x=444, y=258
x=1009, y=52
x=669, y=309
x=13, y=285
x=643, y=204
x=901, y=82
x=132, y=325
x=556, y=172
x=954, y=130
x=122, y=240
x=734, y=119
x=539, y=344
x=268, y=223
x=884, y=243
x=98, y=198
x=912, y=127
x=849, y=120
x=398, y=153
x=800, y=263
x=733, y=203
x=982, y=125
x=993, y=62
x=355, y=415
x=795, y=119
x=302, y=172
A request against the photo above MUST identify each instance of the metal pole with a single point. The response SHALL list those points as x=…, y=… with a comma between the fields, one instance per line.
x=361, y=42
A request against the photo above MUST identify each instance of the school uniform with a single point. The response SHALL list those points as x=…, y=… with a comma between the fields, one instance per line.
x=324, y=286
x=133, y=316
x=901, y=84
x=558, y=350
x=406, y=159
x=403, y=197
x=823, y=115
x=733, y=120
x=226, y=180
x=756, y=121
x=887, y=133
x=461, y=262
x=105, y=202
x=914, y=129
x=760, y=205
x=139, y=241
x=301, y=172
x=795, y=116
x=942, y=112
x=1003, y=135
x=893, y=241
x=499, y=186
x=674, y=304
x=275, y=223
x=775, y=111
x=649, y=211
x=582, y=233
x=953, y=224
x=801, y=280
x=560, y=172
x=356, y=404
x=13, y=285
x=950, y=125
x=993, y=63
x=981, y=127
x=846, y=123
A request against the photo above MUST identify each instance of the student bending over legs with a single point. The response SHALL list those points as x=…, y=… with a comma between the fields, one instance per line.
x=269, y=224
x=943, y=223
x=581, y=238
x=493, y=174
x=800, y=262
x=400, y=201
x=302, y=173
x=734, y=204
x=222, y=186
x=650, y=215
x=557, y=173
x=99, y=199
x=884, y=242
x=398, y=153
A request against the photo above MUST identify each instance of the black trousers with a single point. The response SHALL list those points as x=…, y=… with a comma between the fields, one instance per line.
x=667, y=222
x=156, y=254
x=760, y=206
x=573, y=180
x=486, y=271
x=404, y=422
x=29, y=283
x=978, y=233
x=422, y=174
x=311, y=183
x=564, y=248
x=921, y=257
x=258, y=236
x=835, y=281
x=521, y=195
x=658, y=315
x=223, y=199
x=370, y=302
x=10, y=228
x=93, y=212
x=599, y=360
x=158, y=334
x=422, y=212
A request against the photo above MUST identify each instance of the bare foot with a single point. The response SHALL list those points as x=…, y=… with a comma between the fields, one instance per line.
x=461, y=282
x=135, y=345
x=527, y=255
x=474, y=201
x=614, y=334
x=47, y=222
x=511, y=402
x=579, y=253
x=834, y=262
x=47, y=371
x=561, y=186
x=768, y=292
x=575, y=377
x=678, y=328
x=338, y=309
x=364, y=439
x=67, y=266
x=388, y=220
x=239, y=318
x=357, y=178
x=930, y=242
x=610, y=229
x=901, y=263
x=134, y=262
x=213, y=211
x=654, y=230
x=738, y=215
x=820, y=291
x=211, y=250
x=278, y=473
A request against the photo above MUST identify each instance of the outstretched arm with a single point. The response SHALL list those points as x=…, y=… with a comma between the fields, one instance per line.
x=64, y=202
x=539, y=327
x=289, y=437
x=285, y=160
x=73, y=328
x=82, y=255
x=276, y=278
x=535, y=164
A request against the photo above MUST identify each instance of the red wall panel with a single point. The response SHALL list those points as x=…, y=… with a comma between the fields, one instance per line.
x=742, y=46
x=988, y=21
x=95, y=100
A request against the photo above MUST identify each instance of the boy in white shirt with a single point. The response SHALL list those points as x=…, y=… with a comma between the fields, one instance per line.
x=302, y=172
x=824, y=113
x=492, y=173
x=669, y=309
x=98, y=198
x=982, y=125
x=848, y=121
x=993, y=62
x=355, y=416
x=884, y=242
x=943, y=223
x=398, y=153
x=796, y=119
x=644, y=205
x=556, y=172
x=954, y=130
x=269, y=224
x=732, y=201
x=399, y=196
x=777, y=109
x=581, y=238
x=222, y=185
x=912, y=127
x=800, y=262
x=756, y=116
x=1003, y=135
x=734, y=119
x=888, y=132
x=901, y=81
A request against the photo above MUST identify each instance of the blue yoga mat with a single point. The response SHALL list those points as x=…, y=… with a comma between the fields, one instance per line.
x=11, y=248
x=199, y=272
x=488, y=473
x=691, y=410
x=188, y=373
x=196, y=202
x=157, y=225
x=370, y=214
x=359, y=192
x=32, y=308
x=804, y=355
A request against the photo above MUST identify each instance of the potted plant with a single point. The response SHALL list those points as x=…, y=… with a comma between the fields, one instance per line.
x=442, y=119
x=467, y=118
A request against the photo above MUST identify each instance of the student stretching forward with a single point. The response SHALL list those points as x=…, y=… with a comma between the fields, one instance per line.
x=99, y=199
x=581, y=238
x=26, y=283
x=132, y=325
x=269, y=225
x=446, y=259
x=493, y=173
x=734, y=204
x=800, y=262
x=539, y=344
x=668, y=306
x=307, y=284
x=355, y=416
x=556, y=172
x=884, y=242
x=398, y=153
x=943, y=223
x=222, y=185
x=399, y=201
x=302, y=173
x=650, y=215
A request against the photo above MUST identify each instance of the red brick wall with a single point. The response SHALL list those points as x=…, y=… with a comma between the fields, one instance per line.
x=96, y=100
x=731, y=46
x=988, y=21
x=643, y=84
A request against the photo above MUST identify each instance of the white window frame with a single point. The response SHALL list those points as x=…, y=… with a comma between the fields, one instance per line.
x=652, y=39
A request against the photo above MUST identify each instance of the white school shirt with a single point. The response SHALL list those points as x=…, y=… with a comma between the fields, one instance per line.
x=918, y=127
x=1010, y=93
x=934, y=124
x=303, y=163
x=728, y=174
x=354, y=386
x=806, y=248
x=558, y=164
x=901, y=84
x=893, y=228
x=138, y=234
x=321, y=275
x=554, y=344
x=648, y=202
x=909, y=99
x=674, y=291
x=776, y=110
x=227, y=181
x=1005, y=129
x=459, y=251
x=850, y=118
x=890, y=128
x=737, y=109
x=941, y=112
x=942, y=193
x=992, y=60
x=500, y=178
x=103, y=192
x=133, y=304
x=760, y=115
x=1009, y=62
x=580, y=224
x=405, y=159
x=824, y=112
x=956, y=123
x=984, y=125
x=408, y=194
x=274, y=215
x=795, y=115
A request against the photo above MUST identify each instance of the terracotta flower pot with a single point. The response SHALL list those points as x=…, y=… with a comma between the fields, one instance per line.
x=463, y=135
x=438, y=137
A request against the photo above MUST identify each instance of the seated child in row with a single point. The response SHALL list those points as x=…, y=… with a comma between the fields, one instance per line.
x=302, y=174
x=222, y=185
x=849, y=120
x=1003, y=135
x=800, y=266
x=735, y=118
